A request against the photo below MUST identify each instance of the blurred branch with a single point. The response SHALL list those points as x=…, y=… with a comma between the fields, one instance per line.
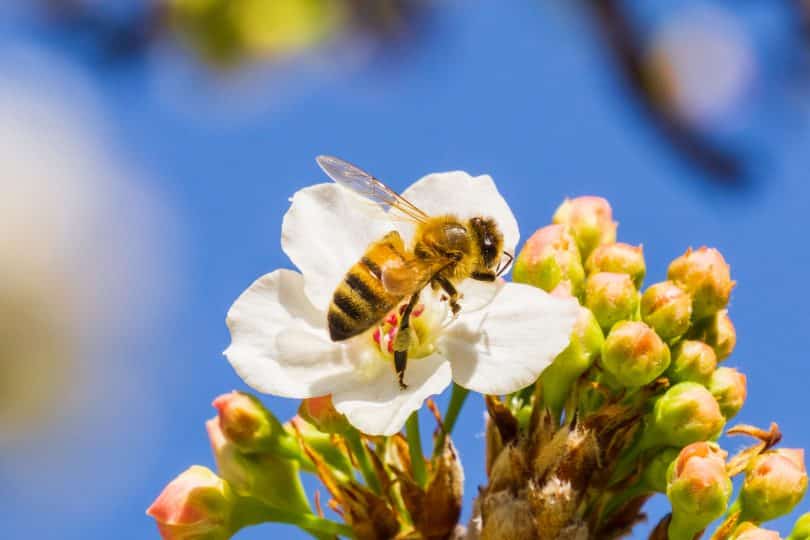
x=626, y=46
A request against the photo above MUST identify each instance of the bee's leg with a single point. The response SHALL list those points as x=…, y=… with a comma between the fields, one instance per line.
x=452, y=294
x=403, y=340
x=484, y=276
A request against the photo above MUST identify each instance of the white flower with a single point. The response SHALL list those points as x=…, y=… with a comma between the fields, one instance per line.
x=280, y=340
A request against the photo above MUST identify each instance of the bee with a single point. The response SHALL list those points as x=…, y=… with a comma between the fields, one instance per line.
x=445, y=251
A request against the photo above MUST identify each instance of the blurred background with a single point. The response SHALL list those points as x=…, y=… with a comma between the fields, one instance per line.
x=148, y=149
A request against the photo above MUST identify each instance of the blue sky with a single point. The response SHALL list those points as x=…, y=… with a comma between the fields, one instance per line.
x=524, y=94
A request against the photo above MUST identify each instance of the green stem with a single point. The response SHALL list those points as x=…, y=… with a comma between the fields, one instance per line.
x=288, y=447
x=357, y=447
x=415, y=447
x=249, y=511
x=457, y=399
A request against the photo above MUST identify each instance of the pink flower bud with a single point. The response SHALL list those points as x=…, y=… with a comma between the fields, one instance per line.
x=321, y=413
x=686, y=413
x=246, y=422
x=698, y=488
x=667, y=309
x=590, y=220
x=611, y=297
x=774, y=483
x=729, y=388
x=633, y=354
x=196, y=504
x=550, y=260
x=692, y=361
x=749, y=531
x=706, y=276
x=618, y=258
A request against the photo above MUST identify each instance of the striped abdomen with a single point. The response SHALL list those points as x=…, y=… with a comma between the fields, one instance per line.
x=360, y=300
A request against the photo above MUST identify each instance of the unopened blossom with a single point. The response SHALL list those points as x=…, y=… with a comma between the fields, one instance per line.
x=196, y=504
x=246, y=422
x=774, y=483
x=718, y=331
x=729, y=388
x=686, y=413
x=667, y=309
x=321, y=413
x=550, y=260
x=706, y=276
x=692, y=361
x=611, y=297
x=801, y=530
x=698, y=489
x=749, y=531
x=505, y=335
x=590, y=220
x=620, y=258
x=633, y=354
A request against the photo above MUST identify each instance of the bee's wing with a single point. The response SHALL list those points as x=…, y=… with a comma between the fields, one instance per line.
x=364, y=184
x=409, y=277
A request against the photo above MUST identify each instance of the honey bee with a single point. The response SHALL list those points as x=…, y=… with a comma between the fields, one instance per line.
x=445, y=251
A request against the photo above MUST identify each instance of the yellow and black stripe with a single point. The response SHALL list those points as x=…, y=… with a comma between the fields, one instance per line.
x=361, y=300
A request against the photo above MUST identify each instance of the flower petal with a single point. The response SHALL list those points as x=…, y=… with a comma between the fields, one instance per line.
x=380, y=407
x=279, y=341
x=505, y=347
x=326, y=230
x=459, y=193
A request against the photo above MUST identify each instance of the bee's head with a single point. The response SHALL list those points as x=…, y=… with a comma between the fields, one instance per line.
x=489, y=239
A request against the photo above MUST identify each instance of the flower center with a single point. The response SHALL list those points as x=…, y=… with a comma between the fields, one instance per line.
x=425, y=324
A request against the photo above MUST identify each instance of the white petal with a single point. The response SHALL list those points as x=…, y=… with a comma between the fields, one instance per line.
x=380, y=407
x=506, y=346
x=478, y=294
x=465, y=196
x=326, y=230
x=279, y=341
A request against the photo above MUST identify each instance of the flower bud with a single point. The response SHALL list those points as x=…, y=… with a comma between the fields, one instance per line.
x=692, y=361
x=265, y=476
x=719, y=333
x=550, y=260
x=586, y=343
x=633, y=354
x=667, y=309
x=774, y=483
x=590, y=220
x=654, y=475
x=618, y=258
x=728, y=386
x=698, y=489
x=706, y=276
x=801, y=530
x=196, y=504
x=246, y=422
x=321, y=413
x=686, y=413
x=749, y=531
x=611, y=298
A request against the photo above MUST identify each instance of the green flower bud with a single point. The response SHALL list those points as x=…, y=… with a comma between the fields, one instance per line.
x=265, y=476
x=692, y=361
x=801, y=530
x=246, y=422
x=705, y=275
x=586, y=344
x=611, y=297
x=719, y=333
x=749, y=531
x=633, y=354
x=667, y=309
x=590, y=220
x=654, y=475
x=728, y=386
x=196, y=504
x=774, y=483
x=321, y=413
x=698, y=489
x=686, y=413
x=618, y=258
x=550, y=260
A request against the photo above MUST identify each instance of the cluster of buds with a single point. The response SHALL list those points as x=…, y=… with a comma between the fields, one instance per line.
x=632, y=407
